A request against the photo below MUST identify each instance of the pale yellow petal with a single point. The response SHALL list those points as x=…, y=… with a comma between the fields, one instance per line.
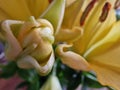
x=107, y=75
x=55, y=15
x=107, y=66
x=72, y=59
x=69, y=35
x=28, y=62
x=13, y=46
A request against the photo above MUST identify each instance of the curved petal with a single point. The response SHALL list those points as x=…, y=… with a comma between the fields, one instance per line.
x=55, y=15
x=107, y=66
x=72, y=59
x=14, y=47
x=69, y=35
x=28, y=62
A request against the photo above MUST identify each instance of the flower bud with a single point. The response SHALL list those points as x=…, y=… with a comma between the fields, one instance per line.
x=29, y=43
x=52, y=84
x=37, y=38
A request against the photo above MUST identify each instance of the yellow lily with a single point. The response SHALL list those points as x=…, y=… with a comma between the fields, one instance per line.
x=97, y=47
x=29, y=42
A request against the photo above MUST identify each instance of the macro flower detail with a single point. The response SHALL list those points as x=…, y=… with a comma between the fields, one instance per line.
x=52, y=84
x=97, y=48
x=29, y=36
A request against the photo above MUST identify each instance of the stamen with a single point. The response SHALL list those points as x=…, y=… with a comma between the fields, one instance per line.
x=50, y=1
x=105, y=12
x=87, y=11
x=117, y=4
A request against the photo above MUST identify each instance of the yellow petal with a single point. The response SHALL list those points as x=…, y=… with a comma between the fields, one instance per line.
x=16, y=9
x=95, y=30
x=107, y=75
x=28, y=62
x=37, y=7
x=55, y=15
x=3, y=15
x=107, y=66
x=13, y=46
x=69, y=35
x=22, y=9
x=72, y=59
x=71, y=13
x=103, y=29
x=110, y=39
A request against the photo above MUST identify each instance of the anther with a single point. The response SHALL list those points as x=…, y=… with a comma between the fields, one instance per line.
x=105, y=12
x=50, y=1
x=117, y=4
x=87, y=11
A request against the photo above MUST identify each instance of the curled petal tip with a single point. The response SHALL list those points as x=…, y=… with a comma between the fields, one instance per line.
x=72, y=59
x=28, y=62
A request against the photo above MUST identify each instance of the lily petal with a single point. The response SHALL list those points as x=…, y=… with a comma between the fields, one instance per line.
x=28, y=62
x=94, y=30
x=37, y=7
x=110, y=39
x=69, y=35
x=72, y=59
x=15, y=9
x=74, y=9
x=14, y=47
x=55, y=15
x=107, y=75
x=22, y=9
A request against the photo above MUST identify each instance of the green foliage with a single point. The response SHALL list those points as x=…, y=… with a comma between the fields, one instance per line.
x=69, y=78
x=31, y=78
x=9, y=70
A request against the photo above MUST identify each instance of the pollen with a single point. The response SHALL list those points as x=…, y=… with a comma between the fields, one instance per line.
x=87, y=11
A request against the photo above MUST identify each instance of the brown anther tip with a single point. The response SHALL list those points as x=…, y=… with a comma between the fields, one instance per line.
x=117, y=4
x=105, y=12
x=50, y=1
x=87, y=11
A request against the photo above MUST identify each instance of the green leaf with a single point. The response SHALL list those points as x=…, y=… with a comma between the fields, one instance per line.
x=55, y=13
x=28, y=75
x=90, y=80
x=9, y=70
x=68, y=77
x=34, y=86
